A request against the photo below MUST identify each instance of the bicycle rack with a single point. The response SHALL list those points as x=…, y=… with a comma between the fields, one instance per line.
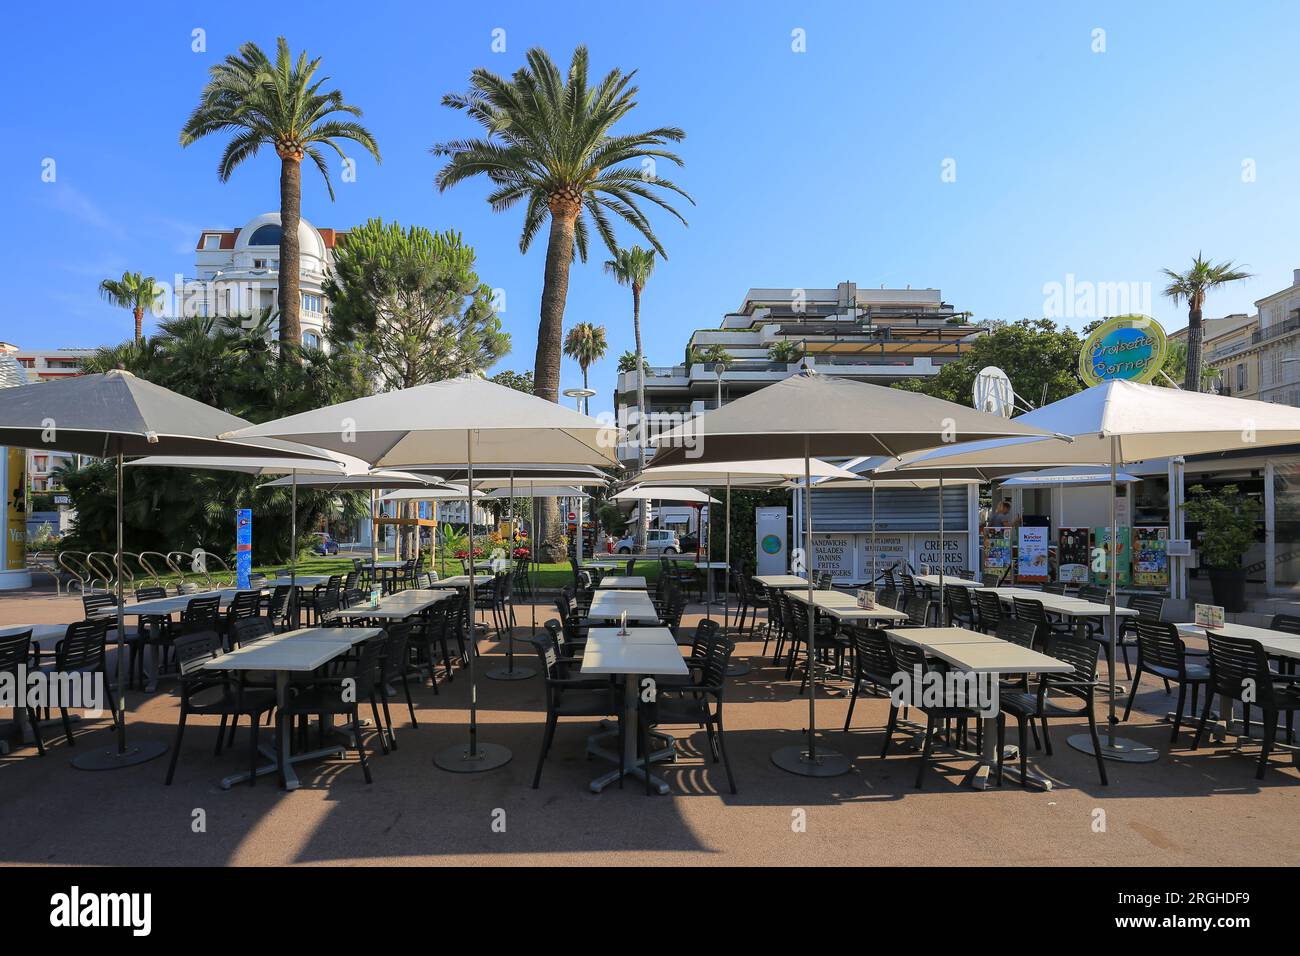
x=225, y=570
x=148, y=569
x=182, y=586
x=100, y=566
x=74, y=563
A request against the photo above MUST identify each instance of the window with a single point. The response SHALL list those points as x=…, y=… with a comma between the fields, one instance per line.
x=311, y=302
x=211, y=240
x=268, y=235
x=1241, y=376
x=259, y=263
x=310, y=340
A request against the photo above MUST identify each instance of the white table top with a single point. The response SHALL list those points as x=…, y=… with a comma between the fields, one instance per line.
x=1278, y=643
x=1062, y=604
x=932, y=580
x=397, y=606
x=975, y=653
x=40, y=632
x=781, y=581
x=603, y=565
x=300, y=580
x=609, y=605
x=710, y=565
x=616, y=655
x=384, y=565
x=844, y=606
x=461, y=581
x=635, y=635
x=622, y=581
x=298, y=651
x=169, y=605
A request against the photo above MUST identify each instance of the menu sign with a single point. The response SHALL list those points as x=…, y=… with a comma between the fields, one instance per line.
x=1031, y=561
x=1074, y=554
x=1209, y=615
x=866, y=598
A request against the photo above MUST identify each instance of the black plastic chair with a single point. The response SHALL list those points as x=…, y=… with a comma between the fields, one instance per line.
x=566, y=697
x=14, y=652
x=990, y=610
x=918, y=611
x=215, y=694
x=397, y=667
x=960, y=611
x=695, y=704
x=83, y=650
x=1238, y=666
x=910, y=660
x=1163, y=653
x=1039, y=705
x=873, y=663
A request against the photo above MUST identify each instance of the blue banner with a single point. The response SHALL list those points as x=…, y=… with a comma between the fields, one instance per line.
x=243, y=547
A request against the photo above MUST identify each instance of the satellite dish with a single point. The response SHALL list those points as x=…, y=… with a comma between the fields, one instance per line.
x=993, y=392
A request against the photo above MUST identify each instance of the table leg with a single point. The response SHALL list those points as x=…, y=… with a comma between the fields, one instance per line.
x=629, y=764
x=979, y=776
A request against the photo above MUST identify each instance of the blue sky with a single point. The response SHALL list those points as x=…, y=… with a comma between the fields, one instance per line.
x=809, y=168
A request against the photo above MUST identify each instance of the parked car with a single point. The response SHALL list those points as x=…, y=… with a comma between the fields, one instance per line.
x=663, y=542
x=324, y=544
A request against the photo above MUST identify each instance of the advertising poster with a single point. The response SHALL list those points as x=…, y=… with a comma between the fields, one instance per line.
x=928, y=554
x=1074, y=555
x=996, y=548
x=1101, y=538
x=891, y=550
x=1031, y=561
x=243, y=547
x=833, y=553
x=1151, y=557
x=770, y=540
x=16, y=510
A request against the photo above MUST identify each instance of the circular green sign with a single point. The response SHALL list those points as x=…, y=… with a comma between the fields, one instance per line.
x=1128, y=347
x=771, y=544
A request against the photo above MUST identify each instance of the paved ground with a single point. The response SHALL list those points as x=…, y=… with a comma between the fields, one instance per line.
x=1188, y=808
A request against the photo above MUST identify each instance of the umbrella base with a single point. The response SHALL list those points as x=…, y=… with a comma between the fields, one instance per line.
x=511, y=673
x=1119, y=749
x=795, y=759
x=458, y=759
x=108, y=758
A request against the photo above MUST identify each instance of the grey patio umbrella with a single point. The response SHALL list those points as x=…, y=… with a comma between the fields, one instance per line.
x=811, y=415
x=457, y=423
x=113, y=415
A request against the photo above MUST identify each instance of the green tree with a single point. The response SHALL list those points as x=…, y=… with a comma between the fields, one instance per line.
x=278, y=104
x=1176, y=366
x=135, y=292
x=785, y=351
x=1041, y=359
x=712, y=355
x=586, y=344
x=411, y=302
x=519, y=381
x=627, y=362
x=1192, y=287
x=550, y=143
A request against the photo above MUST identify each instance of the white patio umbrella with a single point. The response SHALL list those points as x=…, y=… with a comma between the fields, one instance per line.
x=1119, y=423
x=820, y=416
x=454, y=424
x=114, y=415
x=663, y=493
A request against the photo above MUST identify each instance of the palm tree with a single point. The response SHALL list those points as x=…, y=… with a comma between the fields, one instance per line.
x=585, y=344
x=135, y=292
x=1192, y=286
x=549, y=143
x=280, y=105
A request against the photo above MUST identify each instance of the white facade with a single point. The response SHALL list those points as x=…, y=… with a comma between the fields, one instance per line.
x=1279, y=340
x=237, y=272
x=43, y=365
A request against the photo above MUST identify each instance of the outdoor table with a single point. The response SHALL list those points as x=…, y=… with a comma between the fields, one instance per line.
x=395, y=607
x=385, y=571
x=781, y=581
x=299, y=580
x=458, y=581
x=932, y=580
x=45, y=634
x=610, y=605
x=844, y=606
x=40, y=632
x=622, y=582
x=294, y=652
x=1076, y=609
x=632, y=657
x=975, y=653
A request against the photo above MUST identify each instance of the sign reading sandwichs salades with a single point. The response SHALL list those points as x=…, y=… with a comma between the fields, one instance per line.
x=1129, y=347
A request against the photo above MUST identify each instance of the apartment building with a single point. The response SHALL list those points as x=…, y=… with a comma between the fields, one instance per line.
x=873, y=335
x=41, y=365
x=1228, y=345
x=1278, y=344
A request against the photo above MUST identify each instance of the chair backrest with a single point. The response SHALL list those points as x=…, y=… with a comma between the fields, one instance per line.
x=909, y=585
x=326, y=604
x=873, y=656
x=992, y=580
x=1029, y=609
x=396, y=656
x=629, y=567
x=990, y=606
x=958, y=599
x=367, y=665
x=278, y=606
x=1159, y=644
x=1082, y=656
x=717, y=655
x=97, y=602
x=1016, y=631
x=335, y=584
x=917, y=610
x=1289, y=623
x=1095, y=593
x=14, y=650
x=150, y=593
x=350, y=580
x=1055, y=587
x=244, y=604
x=249, y=630
x=888, y=597
x=193, y=651
x=201, y=614
x=888, y=575
x=825, y=580
x=1150, y=607
x=82, y=647
x=1237, y=664
x=907, y=657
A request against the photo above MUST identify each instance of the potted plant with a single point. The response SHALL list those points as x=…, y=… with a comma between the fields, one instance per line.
x=1227, y=519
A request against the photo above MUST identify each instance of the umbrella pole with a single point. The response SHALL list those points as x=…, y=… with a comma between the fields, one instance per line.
x=510, y=672
x=874, y=551
x=293, y=528
x=1112, y=747
x=708, y=563
x=120, y=754
x=740, y=668
x=799, y=759
x=477, y=757
x=943, y=557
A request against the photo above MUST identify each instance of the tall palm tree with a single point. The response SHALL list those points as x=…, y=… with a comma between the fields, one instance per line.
x=278, y=104
x=633, y=267
x=135, y=292
x=550, y=144
x=1192, y=286
x=586, y=344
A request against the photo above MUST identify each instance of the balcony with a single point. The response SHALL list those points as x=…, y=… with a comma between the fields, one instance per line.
x=1276, y=331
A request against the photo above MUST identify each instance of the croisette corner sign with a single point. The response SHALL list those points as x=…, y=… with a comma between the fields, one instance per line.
x=1129, y=347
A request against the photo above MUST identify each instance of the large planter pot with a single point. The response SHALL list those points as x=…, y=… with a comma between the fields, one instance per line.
x=1228, y=585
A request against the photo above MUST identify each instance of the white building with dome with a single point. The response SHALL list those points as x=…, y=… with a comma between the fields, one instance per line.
x=237, y=272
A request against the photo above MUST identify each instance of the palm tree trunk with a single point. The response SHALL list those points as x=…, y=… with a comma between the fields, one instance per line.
x=1192, y=375
x=290, y=215
x=139, y=323
x=550, y=346
x=643, y=508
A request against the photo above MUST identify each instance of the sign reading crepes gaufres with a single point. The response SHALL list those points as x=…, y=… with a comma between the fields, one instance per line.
x=1128, y=347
